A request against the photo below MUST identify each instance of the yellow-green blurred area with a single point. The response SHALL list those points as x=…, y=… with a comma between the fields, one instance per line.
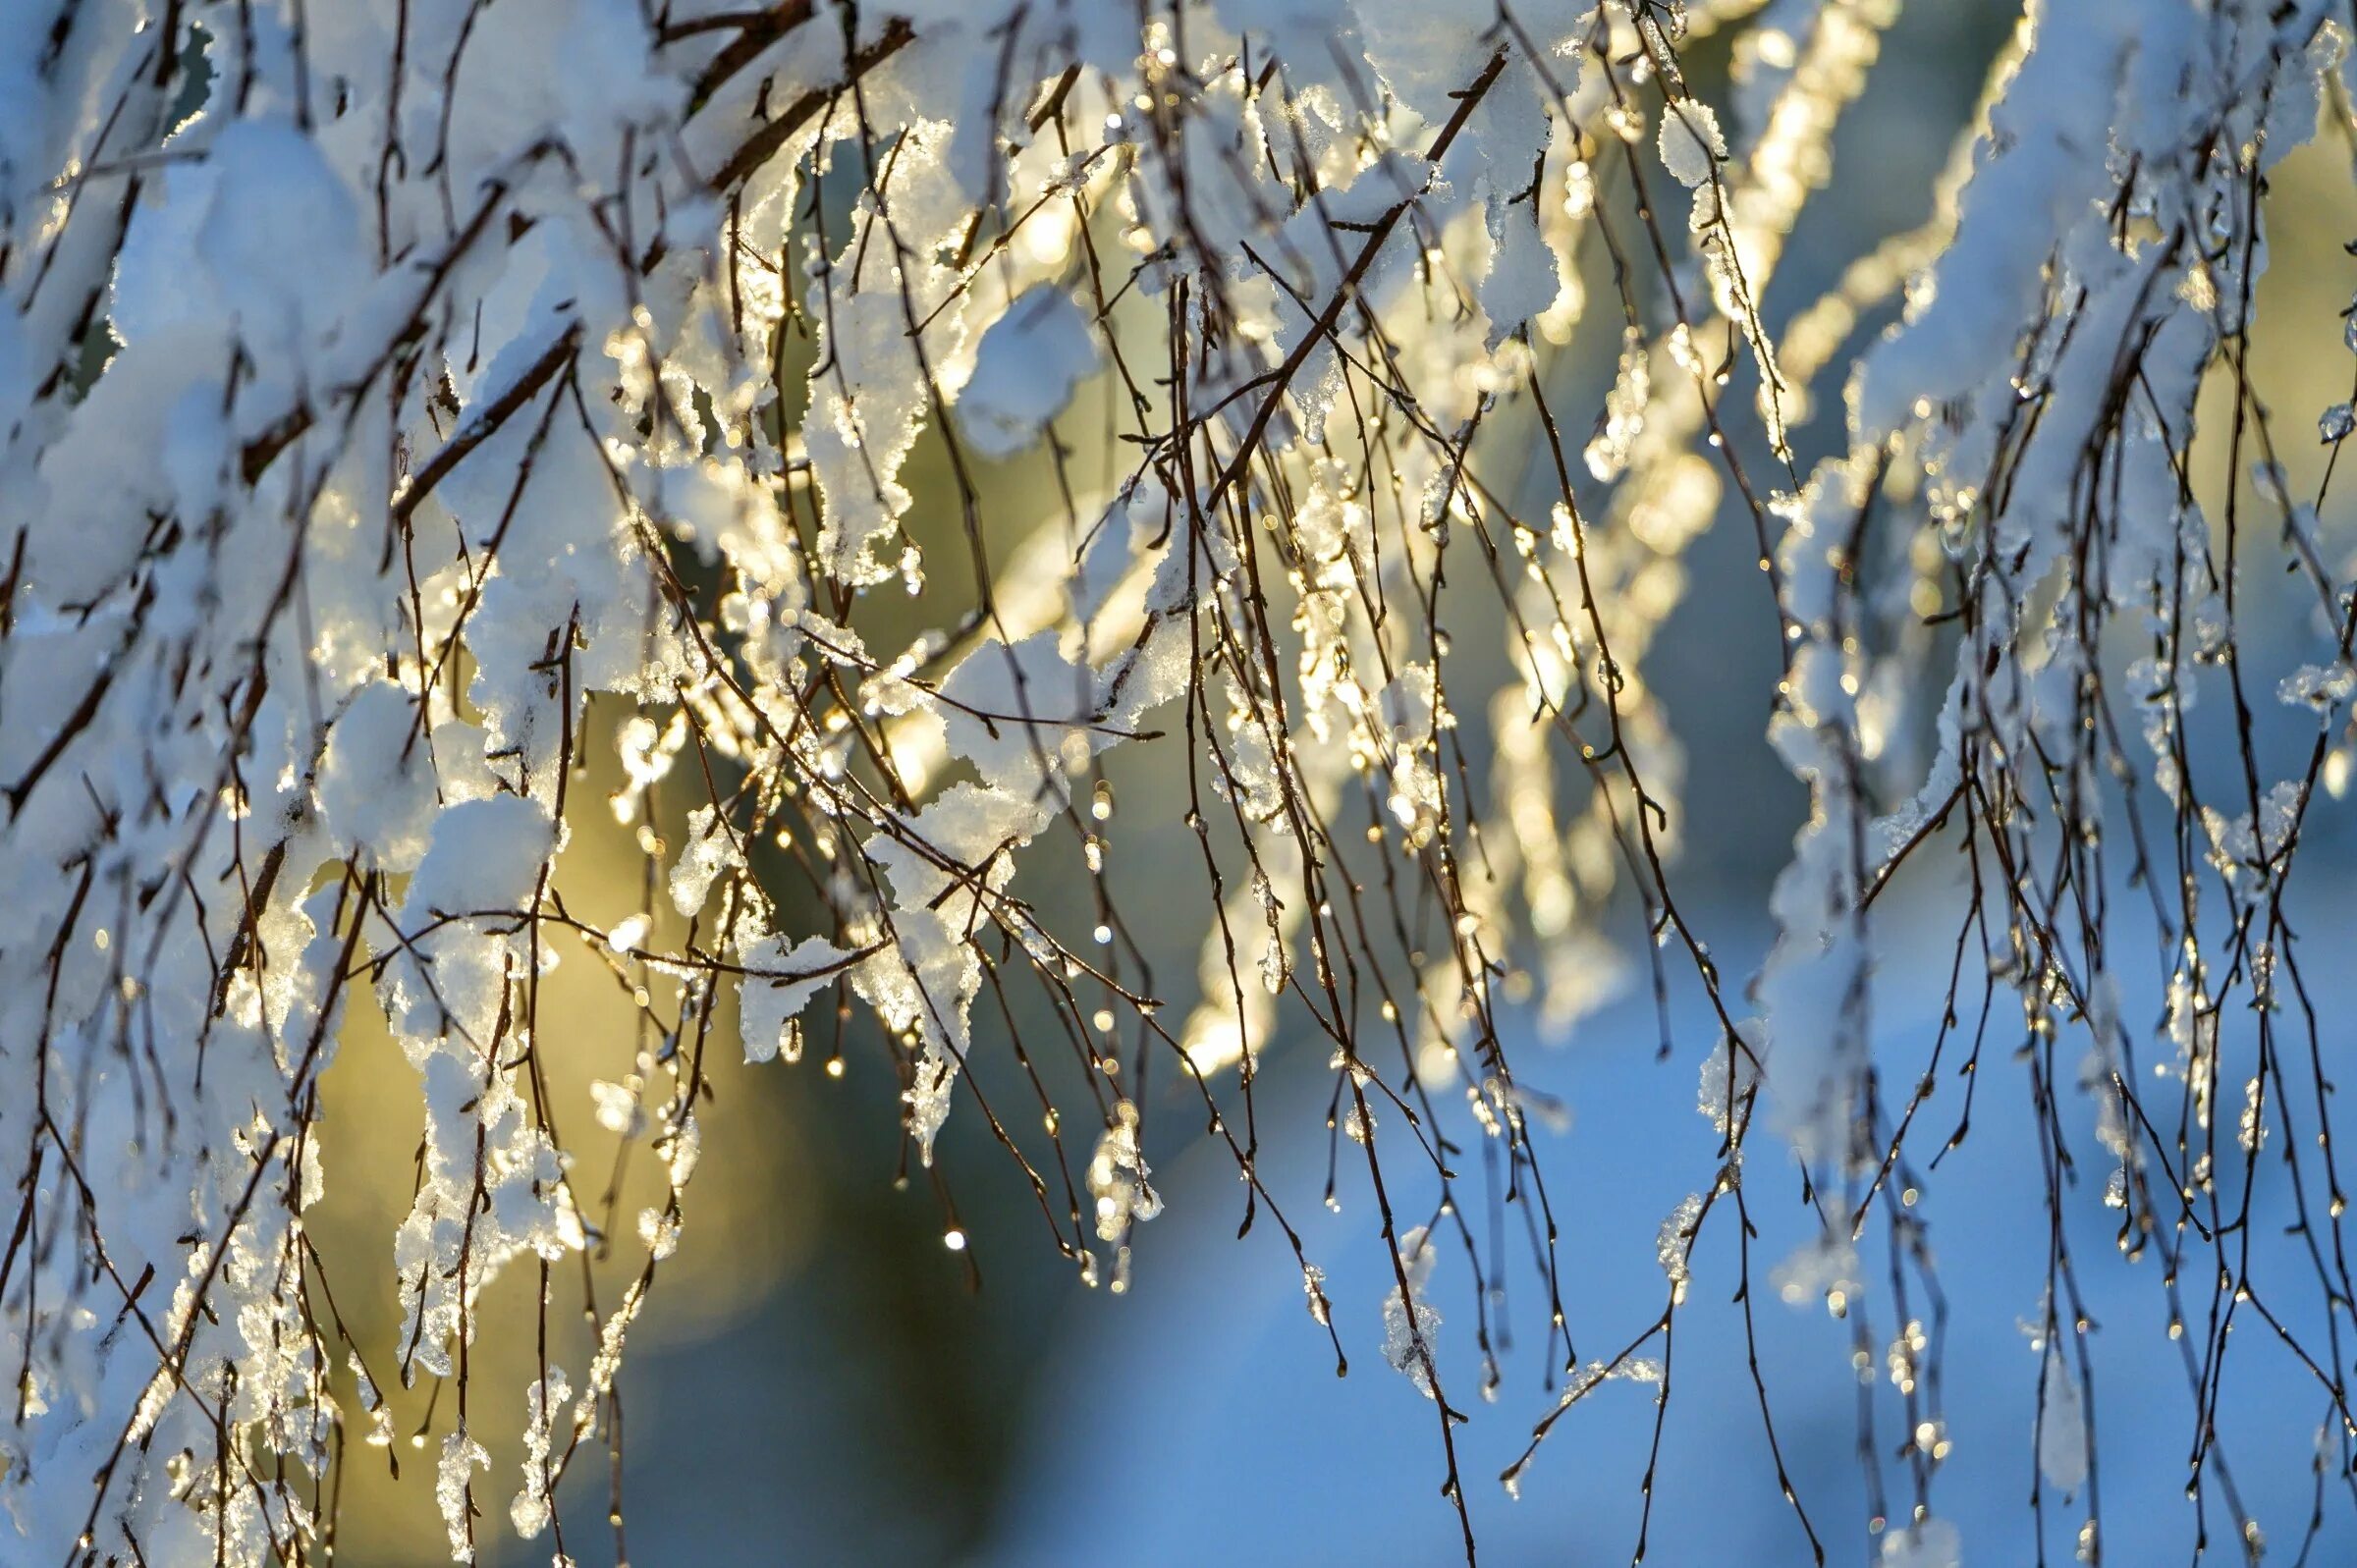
x=816, y=1379
x=811, y=1308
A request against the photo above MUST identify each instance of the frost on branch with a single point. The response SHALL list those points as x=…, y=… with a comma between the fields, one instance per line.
x=1409, y=1322
x=1926, y=1544
x=884, y=435
x=1691, y=144
x=778, y=983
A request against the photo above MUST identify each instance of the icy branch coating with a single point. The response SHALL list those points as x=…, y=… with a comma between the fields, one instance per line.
x=395, y=393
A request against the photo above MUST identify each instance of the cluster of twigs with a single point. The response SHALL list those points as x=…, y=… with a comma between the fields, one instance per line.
x=662, y=400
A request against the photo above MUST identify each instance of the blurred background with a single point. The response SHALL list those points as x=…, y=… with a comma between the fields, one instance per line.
x=817, y=1379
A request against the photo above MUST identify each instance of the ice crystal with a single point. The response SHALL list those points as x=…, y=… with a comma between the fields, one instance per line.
x=1409, y=1322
